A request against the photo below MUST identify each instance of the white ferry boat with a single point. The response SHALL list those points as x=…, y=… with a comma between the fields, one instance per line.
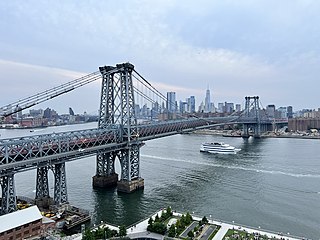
x=216, y=147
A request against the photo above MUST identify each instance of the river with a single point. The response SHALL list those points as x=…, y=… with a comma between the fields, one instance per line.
x=273, y=183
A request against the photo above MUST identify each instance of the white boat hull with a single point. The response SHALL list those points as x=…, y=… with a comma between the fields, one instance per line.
x=219, y=148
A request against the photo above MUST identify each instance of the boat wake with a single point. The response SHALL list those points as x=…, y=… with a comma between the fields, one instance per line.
x=276, y=172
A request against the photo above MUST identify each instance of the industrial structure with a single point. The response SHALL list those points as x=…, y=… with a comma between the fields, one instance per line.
x=118, y=136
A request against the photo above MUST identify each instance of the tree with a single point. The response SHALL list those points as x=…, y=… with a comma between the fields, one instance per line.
x=183, y=220
x=188, y=218
x=169, y=211
x=122, y=231
x=156, y=219
x=158, y=227
x=204, y=220
x=190, y=234
x=172, y=231
x=150, y=221
x=99, y=233
x=88, y=235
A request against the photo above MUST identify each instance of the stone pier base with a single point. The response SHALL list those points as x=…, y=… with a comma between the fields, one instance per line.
x=128, y=187
x=44, y=202
x=105, y=181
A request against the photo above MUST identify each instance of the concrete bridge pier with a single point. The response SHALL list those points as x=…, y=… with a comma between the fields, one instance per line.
x=105, y=177
x=130, y=169
x=42, y=198
x=8, y=200
x=245, y=132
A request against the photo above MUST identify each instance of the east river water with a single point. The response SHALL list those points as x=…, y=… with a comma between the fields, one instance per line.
x=272, y=183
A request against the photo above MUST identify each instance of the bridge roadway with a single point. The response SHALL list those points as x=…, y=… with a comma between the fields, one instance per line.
x=21, y=154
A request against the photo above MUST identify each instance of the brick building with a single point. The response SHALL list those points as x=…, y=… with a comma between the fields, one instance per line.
x=21, y=224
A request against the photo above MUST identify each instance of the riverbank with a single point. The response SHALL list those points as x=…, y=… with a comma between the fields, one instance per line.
x=139, y=230
x=229, y=133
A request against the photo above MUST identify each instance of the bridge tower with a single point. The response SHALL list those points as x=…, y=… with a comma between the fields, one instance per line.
x=117, y=110
x=252, y=113
x=8, y=201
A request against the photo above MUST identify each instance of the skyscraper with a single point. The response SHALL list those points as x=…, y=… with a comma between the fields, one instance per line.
x=207, y=104
x=191, y=104
x=171, y=102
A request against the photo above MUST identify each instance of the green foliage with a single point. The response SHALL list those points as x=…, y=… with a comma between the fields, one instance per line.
x=100, y=233
x=169, y=211
x=190, y=234
x=158, y=227
x=188, y=218
x=204, y=220
x=172, y=231
x=156, y=219
x=150, y=221
x=180, y=227
x=88, y=235
x=122, y=231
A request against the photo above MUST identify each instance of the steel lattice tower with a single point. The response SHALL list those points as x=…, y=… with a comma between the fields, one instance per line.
x=117, y=111
x=8, y=202
x=252, y=111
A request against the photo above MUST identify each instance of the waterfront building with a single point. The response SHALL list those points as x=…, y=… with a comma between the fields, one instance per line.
x=21, y=224
x=303, y=124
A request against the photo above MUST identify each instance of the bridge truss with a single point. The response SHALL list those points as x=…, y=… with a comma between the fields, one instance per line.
x=118, y=136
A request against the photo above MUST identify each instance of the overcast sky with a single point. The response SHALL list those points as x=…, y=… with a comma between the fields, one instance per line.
x=241, y=48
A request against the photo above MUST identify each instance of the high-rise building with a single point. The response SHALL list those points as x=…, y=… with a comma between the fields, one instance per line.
x=207, y=104
x=221, y=108
x=229, y=107
x=183, y=107
x=238, y=107
x=171, y=102
x=71, y=112
x=191, y=104
x=281, y=112
x=289, y=112
x=271, y=110
x=201, y=107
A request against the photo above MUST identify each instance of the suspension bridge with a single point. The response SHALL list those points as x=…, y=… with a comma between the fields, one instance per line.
x=118, y=135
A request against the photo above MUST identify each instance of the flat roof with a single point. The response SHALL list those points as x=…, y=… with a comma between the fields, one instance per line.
x=19, y=218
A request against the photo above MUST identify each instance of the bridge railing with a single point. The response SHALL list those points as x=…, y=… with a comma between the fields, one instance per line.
x=20, y=149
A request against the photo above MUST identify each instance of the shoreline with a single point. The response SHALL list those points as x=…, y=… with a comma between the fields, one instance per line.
x=227, y=133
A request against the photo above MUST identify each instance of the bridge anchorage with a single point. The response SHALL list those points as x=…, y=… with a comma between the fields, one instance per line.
x=117, y=109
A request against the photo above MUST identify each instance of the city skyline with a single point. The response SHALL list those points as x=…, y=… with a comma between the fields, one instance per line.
x=265, y=48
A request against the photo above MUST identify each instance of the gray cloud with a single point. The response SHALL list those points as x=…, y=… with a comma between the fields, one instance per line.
x=239, y=48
